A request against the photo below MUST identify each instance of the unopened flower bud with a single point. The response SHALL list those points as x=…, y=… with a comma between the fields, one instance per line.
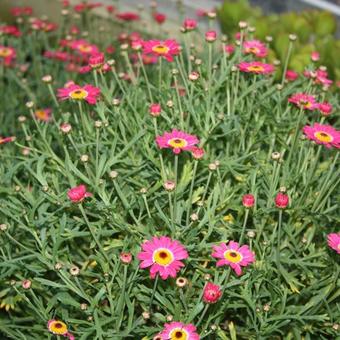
x=26, y=284
x=181, y=282
x=113, y=174
x=169, y=185
x=74, y=271
x=84, y=158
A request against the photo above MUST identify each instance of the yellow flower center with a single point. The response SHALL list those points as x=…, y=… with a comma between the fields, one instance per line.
x=163, y=256
x=305, y=103
x=256, y=68
x=58, y=327
x=253, y=50
x=85, y=48
x=5, y=52
x=233, y=256
x=178, y=334
x=177, y=142
x=323, y=136
x=161, y=49
x=41, y=114
x=78, y=94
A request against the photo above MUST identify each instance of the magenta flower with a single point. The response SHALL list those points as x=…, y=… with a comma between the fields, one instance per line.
x=7, y=55
x=189, y=24
x=248, y=200
x=177, y=141
x=197, y=153
x=210, y=36
x=78, y=194
x=211, y=293
x=73, y=91
x=163, y=256
x=334, y=241
x=4, y=140
x=255, y=47
x=233, y=255
x=325, y=108
x=155, y=109
x=303, y=101
x=323, y=134
x=281, y=200
x=167, y=48
x=291, y=75
x=256, y=67
x=179, y=331
x=84, y=47
x=96, y=60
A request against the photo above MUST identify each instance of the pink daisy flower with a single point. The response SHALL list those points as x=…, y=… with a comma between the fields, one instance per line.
x=303, y=101
x=255, y=47
x=167, y=48
x=179, y=331
x=177, y=141
x=84, y=47
x=7, y=54
x=44, y=115
x=323, y=134
x=233, y=255
x=163, y=256
x=334, y=241
x=87, y=92
x=256, y=67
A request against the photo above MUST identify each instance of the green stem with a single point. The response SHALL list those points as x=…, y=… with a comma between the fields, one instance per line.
x=93, y=234
x=202, y=315
x=153, y=292
x=244, y=226
x=176, y=184
x=191, y=192
x=290, y=48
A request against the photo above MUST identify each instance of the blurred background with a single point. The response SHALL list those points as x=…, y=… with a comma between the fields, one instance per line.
x=315, y=22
